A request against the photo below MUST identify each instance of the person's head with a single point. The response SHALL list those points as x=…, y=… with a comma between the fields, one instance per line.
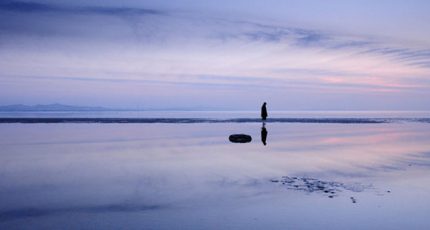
x=264, y=103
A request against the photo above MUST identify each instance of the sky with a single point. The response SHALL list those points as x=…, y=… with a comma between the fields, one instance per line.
x=217, y=55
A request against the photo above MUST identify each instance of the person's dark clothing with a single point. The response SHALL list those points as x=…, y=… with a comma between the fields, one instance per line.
x=264, y=112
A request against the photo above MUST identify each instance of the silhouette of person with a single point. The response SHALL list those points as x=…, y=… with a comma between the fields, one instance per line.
x=264, y=134
x=264, y=111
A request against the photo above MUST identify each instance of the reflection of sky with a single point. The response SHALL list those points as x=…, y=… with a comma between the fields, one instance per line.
x=296, y=55
x=144, y=175
x=395, y=116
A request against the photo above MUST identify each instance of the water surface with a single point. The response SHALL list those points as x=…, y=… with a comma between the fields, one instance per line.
x=189, y=176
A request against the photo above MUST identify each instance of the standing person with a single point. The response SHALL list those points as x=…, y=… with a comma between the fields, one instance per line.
x=264, y=111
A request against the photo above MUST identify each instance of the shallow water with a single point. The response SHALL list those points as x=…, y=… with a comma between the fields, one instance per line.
x=189, y=176
x=215, y=114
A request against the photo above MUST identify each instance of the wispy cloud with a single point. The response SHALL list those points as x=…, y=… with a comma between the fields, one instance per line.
x=33, y=7
x=138, y=45
x=414, y=57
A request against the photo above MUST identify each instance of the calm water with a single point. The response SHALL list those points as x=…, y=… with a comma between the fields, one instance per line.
x=189, y=176
x=221, y=114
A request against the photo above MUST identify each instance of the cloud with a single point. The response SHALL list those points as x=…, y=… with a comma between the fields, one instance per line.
x=306, y=38
x=414, y=57
x=102, y=45
x=32, y=7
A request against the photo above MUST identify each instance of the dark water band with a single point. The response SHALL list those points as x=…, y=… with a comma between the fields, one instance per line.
x=206, y=120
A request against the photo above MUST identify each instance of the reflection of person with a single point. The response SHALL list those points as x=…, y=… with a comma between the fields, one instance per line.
x=264, y=134
x=264, y=111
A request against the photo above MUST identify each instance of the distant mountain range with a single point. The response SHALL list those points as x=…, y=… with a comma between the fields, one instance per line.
x=50, y=107
x=62, y=107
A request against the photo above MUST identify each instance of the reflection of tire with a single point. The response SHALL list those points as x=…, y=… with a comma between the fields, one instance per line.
x=240, y=138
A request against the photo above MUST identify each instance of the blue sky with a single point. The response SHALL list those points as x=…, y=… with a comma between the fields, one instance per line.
x=296, y=55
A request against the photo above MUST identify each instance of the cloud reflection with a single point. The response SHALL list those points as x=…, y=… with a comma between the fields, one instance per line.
x=42, y=212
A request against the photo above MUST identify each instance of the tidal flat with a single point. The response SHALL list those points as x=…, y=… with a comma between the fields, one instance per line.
x=190, y=176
